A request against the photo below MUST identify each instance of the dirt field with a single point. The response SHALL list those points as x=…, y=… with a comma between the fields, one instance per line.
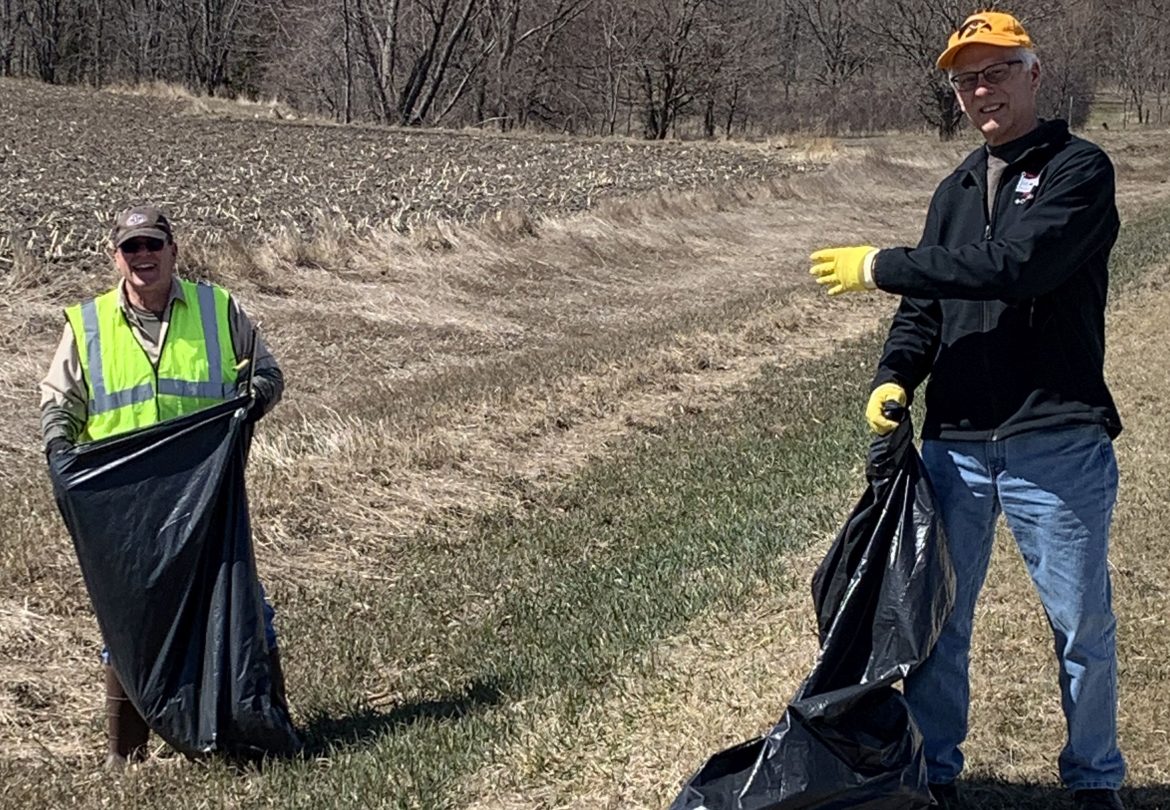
x=68, y=161
x=464, y=366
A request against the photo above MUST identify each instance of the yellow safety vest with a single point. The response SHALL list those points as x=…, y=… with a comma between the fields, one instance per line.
x=196, y=367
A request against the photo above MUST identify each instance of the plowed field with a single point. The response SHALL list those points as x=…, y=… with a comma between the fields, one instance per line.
x=68, y=159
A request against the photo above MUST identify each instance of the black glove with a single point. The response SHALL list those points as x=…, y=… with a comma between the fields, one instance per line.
x=56, y=447
x=258, y=407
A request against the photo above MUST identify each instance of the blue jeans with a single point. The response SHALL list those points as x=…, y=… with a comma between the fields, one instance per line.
x=1056, y=489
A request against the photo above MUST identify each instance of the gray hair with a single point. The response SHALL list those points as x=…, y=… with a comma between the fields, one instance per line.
x=1030, y=57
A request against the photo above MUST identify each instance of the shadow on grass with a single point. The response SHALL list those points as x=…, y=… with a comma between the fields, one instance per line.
x=987, y=794
x=325, y=731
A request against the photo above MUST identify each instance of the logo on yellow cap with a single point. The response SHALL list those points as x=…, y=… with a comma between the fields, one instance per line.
x=973, y=27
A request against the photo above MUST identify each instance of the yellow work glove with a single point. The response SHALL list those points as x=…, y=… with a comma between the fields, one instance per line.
x=842, y=269
x=878, y=423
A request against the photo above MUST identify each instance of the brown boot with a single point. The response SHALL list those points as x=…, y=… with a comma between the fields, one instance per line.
x=126, y=731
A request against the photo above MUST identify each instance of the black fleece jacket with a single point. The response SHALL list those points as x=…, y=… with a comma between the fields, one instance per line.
x=1007, y=316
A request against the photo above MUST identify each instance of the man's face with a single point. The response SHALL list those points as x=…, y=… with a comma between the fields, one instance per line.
x=147, y=264
x=1003, y=111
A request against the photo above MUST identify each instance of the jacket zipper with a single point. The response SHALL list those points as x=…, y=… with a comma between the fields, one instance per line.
x=987, y=234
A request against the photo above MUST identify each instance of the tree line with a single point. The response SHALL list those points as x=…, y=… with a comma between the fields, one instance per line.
x=645, y=68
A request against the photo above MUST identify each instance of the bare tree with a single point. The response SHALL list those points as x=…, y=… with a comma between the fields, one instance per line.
x=212, y=27
x=46, y=25
x=377, y=24
x=408, y=47
x=142, y=38
x=841, y=53
x=1137, y=30
x=788, y=38
x=738, y=54
x=12, y=20
x=517, y=36
x=608, y=32
x=347, y=60
x=1070, y=43
x=668, y=40
x=657, y=67
x=912, y=31
x=429, y=71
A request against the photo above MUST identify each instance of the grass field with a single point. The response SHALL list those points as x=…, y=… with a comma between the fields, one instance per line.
x=540, y=507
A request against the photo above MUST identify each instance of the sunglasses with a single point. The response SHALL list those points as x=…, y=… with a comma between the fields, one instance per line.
x=147, y=243
x=992, y=74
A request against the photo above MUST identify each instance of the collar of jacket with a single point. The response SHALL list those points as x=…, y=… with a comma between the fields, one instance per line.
x=1047, y=137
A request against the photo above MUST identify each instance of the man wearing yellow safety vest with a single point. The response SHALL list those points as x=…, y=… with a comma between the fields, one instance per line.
x=152, y=348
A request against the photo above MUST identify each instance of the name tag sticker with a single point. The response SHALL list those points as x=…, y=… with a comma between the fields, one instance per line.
x=1026, y=188
x=1028, y=182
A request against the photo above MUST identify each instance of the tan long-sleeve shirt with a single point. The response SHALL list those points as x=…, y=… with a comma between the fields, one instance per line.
x=65, y=396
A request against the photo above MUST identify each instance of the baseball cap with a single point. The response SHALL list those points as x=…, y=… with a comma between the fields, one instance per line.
x=141, y=220
x=987, y=28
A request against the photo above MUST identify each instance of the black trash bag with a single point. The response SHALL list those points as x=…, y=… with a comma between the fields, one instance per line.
x=882, y=595
x=159, y=519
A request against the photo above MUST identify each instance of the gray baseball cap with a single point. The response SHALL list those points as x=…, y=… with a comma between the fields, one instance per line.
x=141, y=220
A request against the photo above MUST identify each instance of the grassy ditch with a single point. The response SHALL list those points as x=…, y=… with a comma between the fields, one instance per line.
x=409, y=684
x=1141, y=247
x=410, y=688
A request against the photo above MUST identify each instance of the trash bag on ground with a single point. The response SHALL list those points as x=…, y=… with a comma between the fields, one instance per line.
x=159, y=519
x=882, y=595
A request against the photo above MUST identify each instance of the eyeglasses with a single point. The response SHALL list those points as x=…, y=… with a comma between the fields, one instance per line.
x=147, y=243
x=992, y=74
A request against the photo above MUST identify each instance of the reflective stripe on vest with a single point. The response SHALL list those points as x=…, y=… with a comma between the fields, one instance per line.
x=101, y=400
x=203, y=390
x=197, y=359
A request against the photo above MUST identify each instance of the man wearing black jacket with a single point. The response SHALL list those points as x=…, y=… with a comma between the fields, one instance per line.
x=1004, y=309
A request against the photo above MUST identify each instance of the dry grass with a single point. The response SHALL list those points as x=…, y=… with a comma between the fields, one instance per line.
x=541, y=351
x=428, y=384
x=203, y=104
x=729, y=677
x=453, y=369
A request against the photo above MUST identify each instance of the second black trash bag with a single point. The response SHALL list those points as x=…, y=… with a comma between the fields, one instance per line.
x=882, y=595
x=159, y=519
